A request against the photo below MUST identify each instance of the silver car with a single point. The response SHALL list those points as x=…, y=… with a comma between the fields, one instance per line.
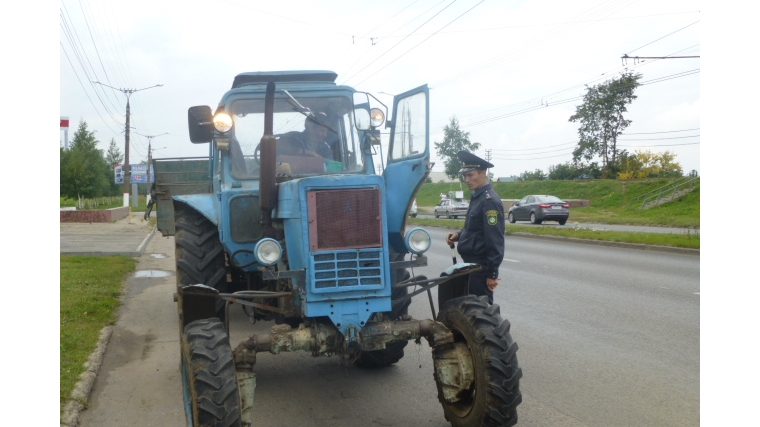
x=539, y=208
x=451, y=208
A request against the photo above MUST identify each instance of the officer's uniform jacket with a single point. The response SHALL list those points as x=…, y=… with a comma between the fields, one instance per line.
x=481, y=241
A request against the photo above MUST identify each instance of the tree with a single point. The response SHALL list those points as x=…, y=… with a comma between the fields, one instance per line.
x=83, y=168
x=537, y=175
x=601, y=120
x=574, y=170
x=646, y=164
x=113, y=156
x=454, y=140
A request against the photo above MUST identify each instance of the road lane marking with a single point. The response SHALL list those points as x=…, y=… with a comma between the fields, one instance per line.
x=696, y=293
x=511, y=260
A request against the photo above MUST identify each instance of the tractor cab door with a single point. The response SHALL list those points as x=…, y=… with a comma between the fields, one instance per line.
x=408, y=159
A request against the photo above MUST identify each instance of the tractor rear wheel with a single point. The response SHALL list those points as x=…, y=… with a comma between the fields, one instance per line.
x=198, y=252
x=494, y=393
x=209, y=383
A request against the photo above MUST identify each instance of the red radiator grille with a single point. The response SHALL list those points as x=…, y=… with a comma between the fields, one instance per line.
x=345, y=219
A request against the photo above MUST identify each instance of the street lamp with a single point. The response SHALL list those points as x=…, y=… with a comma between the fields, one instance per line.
x=126, y=168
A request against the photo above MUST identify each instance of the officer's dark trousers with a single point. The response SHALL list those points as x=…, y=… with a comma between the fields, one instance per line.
x=478, y=286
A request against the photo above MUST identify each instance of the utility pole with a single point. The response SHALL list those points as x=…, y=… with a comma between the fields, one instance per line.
x=489, y=175
x=127, y=176
x=150, y=139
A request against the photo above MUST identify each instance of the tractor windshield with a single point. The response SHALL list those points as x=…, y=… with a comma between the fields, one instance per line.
x=315, y=135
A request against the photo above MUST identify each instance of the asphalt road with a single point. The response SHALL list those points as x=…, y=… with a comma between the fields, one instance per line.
x=607, y=337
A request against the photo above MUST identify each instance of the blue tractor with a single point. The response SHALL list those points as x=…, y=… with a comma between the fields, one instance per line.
x=288, y=218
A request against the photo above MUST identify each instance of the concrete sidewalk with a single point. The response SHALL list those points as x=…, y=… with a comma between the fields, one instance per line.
x=132, y=377
x=129, y=236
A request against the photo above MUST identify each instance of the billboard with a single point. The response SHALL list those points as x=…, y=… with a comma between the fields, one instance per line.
x=139, y=174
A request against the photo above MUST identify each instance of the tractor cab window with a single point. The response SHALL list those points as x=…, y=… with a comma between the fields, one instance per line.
x=315, y=135
x=410, y=126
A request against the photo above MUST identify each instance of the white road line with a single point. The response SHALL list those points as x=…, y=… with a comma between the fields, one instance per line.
x=511, y=260
x=696, y=293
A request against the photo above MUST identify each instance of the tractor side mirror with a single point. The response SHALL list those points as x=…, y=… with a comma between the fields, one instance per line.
x=361, y=118
x=200, y=124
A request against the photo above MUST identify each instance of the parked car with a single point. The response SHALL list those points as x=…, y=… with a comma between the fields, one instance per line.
x=539, y=208
x=451, y=208
x=413, y=210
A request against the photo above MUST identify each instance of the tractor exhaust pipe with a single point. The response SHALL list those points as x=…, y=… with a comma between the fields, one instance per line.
x=268, y=153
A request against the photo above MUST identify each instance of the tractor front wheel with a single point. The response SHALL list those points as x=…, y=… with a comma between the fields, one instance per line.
x=198, y=252
x=209, y=383
x=483, y=387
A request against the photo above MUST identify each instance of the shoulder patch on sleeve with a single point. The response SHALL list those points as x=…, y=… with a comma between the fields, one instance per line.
x=492, y=216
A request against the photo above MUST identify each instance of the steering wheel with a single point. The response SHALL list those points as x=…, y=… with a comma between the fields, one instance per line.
x=296, y=147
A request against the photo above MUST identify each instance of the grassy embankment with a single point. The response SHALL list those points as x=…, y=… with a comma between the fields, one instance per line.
x=90, y=295
x=608, y=201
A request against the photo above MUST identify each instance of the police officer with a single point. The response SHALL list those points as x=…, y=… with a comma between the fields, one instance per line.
x=481, y=241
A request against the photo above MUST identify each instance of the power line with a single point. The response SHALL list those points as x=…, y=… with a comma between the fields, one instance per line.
x=97, y=51
x=402, y=40
x=423, y=41
x=658, y=145
x=662, y=37
x=552, y=24
x=576, y=98
x=656, y=139
x=527, y=48
x=394, y=31
x=83, y=88
x=667, y=131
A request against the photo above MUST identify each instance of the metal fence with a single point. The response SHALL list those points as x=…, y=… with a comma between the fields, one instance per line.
x=665, y=193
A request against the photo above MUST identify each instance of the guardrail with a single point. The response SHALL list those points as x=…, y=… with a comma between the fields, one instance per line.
x=665, y=191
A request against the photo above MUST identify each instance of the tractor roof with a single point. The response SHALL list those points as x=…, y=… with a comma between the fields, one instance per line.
x=263, y=77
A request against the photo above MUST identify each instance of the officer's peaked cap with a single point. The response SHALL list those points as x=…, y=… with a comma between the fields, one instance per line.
x=472, y=162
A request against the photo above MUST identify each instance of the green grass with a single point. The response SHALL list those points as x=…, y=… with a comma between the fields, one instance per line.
x=90, y=293
x=687, y=240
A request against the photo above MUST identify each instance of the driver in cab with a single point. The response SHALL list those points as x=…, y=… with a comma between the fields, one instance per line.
x=310, y=140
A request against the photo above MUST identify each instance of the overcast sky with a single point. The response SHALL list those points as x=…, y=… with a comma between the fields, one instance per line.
x=512, y=72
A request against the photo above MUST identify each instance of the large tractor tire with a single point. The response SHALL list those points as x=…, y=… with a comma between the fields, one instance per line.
x=198, y=252
x=209, y=383
x=495, y=392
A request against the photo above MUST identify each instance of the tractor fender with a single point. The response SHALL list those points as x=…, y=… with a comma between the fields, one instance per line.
x=206, y=204
x=457, y=284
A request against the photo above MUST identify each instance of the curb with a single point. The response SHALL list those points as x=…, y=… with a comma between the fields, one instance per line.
x=641, y=246
x=144, y=244
x=70, y=413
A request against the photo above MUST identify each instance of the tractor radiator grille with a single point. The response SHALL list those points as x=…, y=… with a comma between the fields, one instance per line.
x=354, y=268
x=345, y=219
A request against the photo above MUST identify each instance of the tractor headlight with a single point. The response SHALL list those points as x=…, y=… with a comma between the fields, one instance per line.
x=222, y=122
x=267, y=251
x=417, y=241
x=376, y=117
